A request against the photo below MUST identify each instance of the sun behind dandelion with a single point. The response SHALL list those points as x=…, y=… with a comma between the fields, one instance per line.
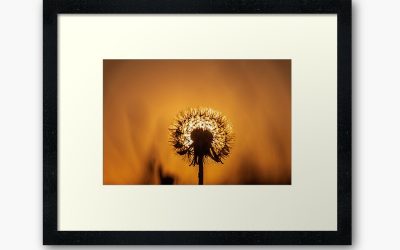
x=201, y=133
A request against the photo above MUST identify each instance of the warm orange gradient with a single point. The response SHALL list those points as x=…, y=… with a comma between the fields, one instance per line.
x=143, y=97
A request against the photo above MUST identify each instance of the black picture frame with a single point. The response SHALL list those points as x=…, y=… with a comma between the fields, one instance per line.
x=51, y=236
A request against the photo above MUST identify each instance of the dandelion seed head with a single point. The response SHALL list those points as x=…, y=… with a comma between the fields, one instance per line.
x=203, y=126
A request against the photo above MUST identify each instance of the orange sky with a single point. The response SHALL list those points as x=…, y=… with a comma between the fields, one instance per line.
x=142, y=98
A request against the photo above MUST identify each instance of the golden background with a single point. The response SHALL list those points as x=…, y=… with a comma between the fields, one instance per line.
x=143, y=97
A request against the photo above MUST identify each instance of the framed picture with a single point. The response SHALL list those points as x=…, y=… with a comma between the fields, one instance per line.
x=197, y=122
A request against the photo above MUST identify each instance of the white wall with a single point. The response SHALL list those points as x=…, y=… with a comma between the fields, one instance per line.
x=376, y=131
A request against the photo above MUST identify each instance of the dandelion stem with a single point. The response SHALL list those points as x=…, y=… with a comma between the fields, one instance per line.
x=201, y=170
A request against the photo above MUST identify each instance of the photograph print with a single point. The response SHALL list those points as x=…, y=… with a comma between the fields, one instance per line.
x=197, y=122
